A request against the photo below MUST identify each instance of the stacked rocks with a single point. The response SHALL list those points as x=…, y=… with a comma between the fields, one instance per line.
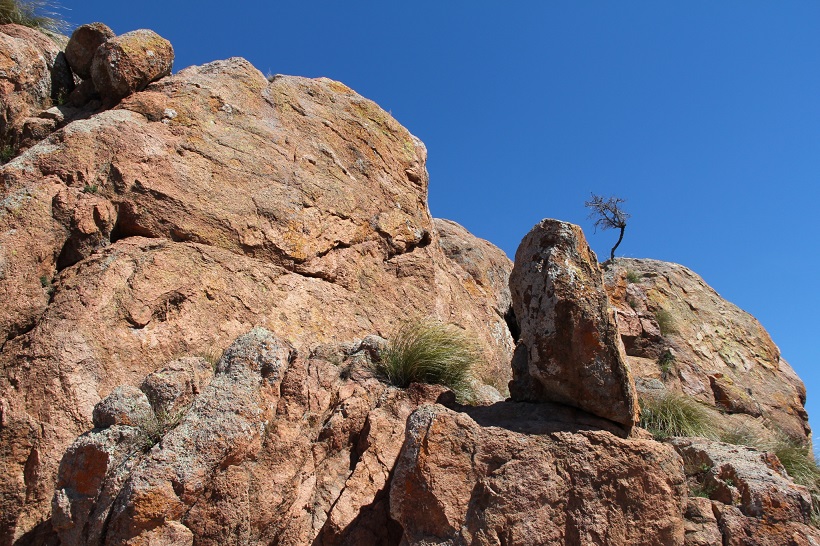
x=112, y=67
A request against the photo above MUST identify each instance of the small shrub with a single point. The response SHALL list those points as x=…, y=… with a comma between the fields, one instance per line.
x=6, y=154
x=156, y=425
x=666, y=322
x=674, y=415
x=212, y=355
x=89, y=188
x=429, y=351
x=633, y=276
x=666, y=362
x=39, y=14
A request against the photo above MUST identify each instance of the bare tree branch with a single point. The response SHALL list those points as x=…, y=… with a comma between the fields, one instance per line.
x=608, y=214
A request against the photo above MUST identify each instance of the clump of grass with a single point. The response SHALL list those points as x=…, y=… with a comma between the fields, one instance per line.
x=666, y=362
x=156, y=425
x=90, y=188
x=633, y=276
x=39, y=14
x=6, y=153
x=429, y=351
x=671, y=414
x=666, y=322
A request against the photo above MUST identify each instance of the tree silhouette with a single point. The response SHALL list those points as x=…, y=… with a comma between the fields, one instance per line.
x=608, y=214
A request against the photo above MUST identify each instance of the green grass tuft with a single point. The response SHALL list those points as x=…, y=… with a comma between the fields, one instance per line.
x=39, y=14
x=672, y=414
x=666, y=322
x=666, y=362
x=796, y=457
x=429, y=351
x=633, y=276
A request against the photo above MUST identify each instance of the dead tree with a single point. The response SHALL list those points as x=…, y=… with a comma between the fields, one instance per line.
x=608, y=214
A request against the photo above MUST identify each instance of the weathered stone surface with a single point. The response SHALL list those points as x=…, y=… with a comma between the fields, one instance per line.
x=529, y=474
x=739, y=530
x=270, y=436
x=486, y=264
x=147, y=232
x=701, y=526
x=30, y=78
x=753, y=481
x=722, y=355
x=125, y=405
x=174, y=387
x=82, y=45
x=569, y=350
x=127, y=63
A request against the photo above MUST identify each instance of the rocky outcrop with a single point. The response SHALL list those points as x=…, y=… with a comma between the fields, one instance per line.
x=33, y=77
x=522, y=474
x=211, y=202
x=139, y=242
x=125, y=64
x=679, y=332
x=276, y=448
x=569, y=350
x=746, y=494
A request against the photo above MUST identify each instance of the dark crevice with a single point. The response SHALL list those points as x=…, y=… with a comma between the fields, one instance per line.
x=18, y=331
x=512, y=324
x=127, y=224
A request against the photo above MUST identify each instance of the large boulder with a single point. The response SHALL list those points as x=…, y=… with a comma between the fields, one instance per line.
x=179, y=220
x=127, y=63
x=82, y=46
x=521, y=474
x=569, y=349
x=677, y=330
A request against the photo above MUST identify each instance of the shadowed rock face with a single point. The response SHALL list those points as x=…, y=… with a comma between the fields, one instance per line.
x=569, y=350
x=212, y=202
x=721, y=355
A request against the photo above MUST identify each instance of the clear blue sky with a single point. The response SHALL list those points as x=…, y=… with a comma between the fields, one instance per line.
x=704, y=115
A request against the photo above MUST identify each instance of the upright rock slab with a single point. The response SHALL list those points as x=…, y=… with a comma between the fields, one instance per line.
x=569, y=350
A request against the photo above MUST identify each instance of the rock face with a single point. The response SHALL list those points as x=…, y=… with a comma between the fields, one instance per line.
x=749, y=496
x=569, y=350
x=532, y=474
x=128, y=63
x=678, y=330
x=212, y=202
x=33, y=74
x=139, y=242
x=276, y=448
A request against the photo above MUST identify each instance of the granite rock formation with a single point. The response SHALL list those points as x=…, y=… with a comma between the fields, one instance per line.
x=569, y=350
x=286, y=220
x=211, y=202
x=714, y=351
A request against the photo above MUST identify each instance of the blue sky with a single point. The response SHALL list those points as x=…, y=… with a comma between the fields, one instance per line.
x=704, y=115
